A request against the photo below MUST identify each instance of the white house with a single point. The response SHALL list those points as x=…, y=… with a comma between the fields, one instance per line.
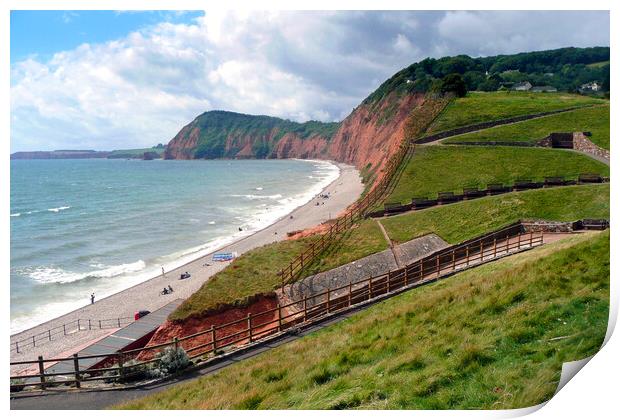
x=524, y=86
x=591, y=86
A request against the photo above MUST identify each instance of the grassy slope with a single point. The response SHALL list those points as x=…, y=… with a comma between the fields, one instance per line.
x=595, y=120
x=480, y=339
x=467, y=219
x=439, y=168
x=255, y=271
x=489, y=106
x=134, y=153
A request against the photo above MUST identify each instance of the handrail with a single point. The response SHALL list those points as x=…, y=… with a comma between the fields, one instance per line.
x=309, y=308
x=65, y=329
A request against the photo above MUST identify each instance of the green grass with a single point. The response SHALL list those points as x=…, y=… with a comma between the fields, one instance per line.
x=595, y=120
x=478, y=107
x=460, y=221
x=134, y=153
x=599, y=64
x=255, y=272
x=435, y=169
x=487, y=338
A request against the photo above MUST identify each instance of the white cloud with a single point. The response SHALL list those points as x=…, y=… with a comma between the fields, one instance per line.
x=141, y=89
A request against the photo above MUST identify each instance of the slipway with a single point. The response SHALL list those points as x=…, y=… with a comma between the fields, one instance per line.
x=134, y=335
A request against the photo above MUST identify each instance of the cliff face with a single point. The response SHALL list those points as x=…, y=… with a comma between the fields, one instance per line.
x=370, y=134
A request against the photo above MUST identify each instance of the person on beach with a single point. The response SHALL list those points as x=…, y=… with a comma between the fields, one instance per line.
x=170, y=289
x=163, y=273
x=92, y=298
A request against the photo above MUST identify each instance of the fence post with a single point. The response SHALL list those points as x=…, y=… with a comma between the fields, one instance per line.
x=121, y=370
x=176, y=343
x=34, y=342
x=494, y=247
x=213, y=340
x=41, y=372
x=389, y=279
x=453, y=259
x=79, y=327
x=76, y=367
x=328, y=293
x=64, y=329
x=249, y=317
x=279, y=318
x=119, y=322
x=17, y=346
x=467, y=255
x=305, y=308
x=89, y=323
x=49, y=334
x=99, y=324
x=350, y=291
x=437, y=264
x=531, y=238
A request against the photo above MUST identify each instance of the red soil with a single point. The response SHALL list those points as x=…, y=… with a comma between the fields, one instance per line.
x=169, y=330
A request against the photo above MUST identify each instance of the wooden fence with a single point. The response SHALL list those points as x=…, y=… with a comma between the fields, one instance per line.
x=344, y=222
x=69, y=328
x=469, y=193
x=219, y=338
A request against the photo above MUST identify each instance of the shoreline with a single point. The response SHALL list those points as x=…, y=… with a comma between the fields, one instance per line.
x=344, y=190
x=208, y=248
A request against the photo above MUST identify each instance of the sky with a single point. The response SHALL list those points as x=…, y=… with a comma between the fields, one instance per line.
x=109, y=80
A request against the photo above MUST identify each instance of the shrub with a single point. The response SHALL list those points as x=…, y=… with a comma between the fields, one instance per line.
x=131, y=373
x=172, y=360
x=17, y=385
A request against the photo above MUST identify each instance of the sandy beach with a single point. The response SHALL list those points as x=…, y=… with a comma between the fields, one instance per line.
x=146, y=295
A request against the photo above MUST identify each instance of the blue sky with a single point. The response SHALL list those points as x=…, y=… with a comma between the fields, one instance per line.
x=107, y=80
x=43, y=33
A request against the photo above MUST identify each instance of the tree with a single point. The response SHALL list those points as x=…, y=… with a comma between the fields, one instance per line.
x=454, y=83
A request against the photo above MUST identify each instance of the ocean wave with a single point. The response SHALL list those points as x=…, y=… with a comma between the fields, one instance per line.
x=50, y=275
x=15, y=214
x=212, y=222
x=57, y=209
x=258, y=197
x=258, y=188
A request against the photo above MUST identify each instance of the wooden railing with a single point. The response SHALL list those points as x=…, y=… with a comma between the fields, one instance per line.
x=305, y=310
x=68, y=328
x=447, y=197
x=344, y=222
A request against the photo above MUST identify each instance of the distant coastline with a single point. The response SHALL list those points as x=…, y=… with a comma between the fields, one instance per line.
x=149, y=153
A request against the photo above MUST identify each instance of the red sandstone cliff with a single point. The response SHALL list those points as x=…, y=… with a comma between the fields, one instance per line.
x=368, y=136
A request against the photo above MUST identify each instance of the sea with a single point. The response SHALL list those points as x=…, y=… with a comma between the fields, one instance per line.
x=82, y=226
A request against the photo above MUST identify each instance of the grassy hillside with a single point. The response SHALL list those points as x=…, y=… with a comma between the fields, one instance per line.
x=460, y=221
x=255, y=271
x=216, y=126
x=494, y=337
x=595, y=120
x=564, y=68
x=478, y=107
x=434, y=169
x=135, y=153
